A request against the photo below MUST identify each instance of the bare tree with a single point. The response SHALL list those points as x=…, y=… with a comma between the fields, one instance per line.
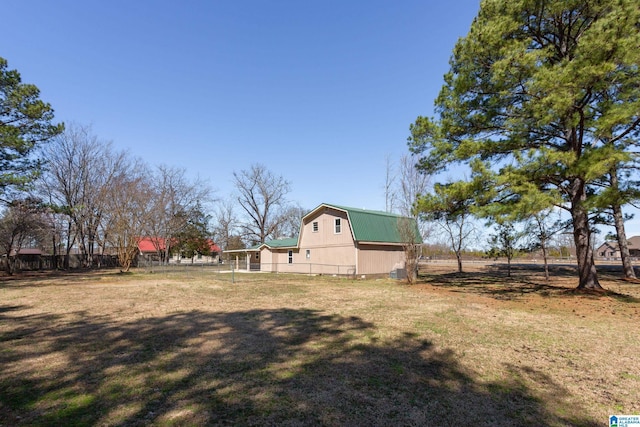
x=289, y=226
x=541, y=227
x=175, y=198
x=390, y=194
x=20, y=222
x=225, y=220
x=413, y=229
x=411, y=242
x=458, y=231
x=411, y=185
x=80, y=172
x=57, y=233
x=261, y=195
x=130, y=204
x=62, y=230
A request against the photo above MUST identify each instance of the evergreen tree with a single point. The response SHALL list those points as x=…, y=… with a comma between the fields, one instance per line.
x=542, y=99
x=25, y=122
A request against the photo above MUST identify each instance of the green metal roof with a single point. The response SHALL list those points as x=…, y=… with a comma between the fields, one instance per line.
x=366, y=225
x=281, y=243
x=376, y=226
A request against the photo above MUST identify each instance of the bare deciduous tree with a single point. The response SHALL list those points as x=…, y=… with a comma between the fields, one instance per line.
x=542, y=226
x=291, y=218
x=130, y=204
x=390, y=194
x=411, y=185
x=411, y=241
x=80, y=172
x=175, y=198
x=20, y=223
x=261, y=195
x=226, y=220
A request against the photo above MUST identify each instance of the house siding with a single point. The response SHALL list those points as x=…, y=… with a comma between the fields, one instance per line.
x=336, y=253
x=610, y=250
x=277, y=261
x=266, y=260
x=328, y=250
x=378, y=259
x=325, y=236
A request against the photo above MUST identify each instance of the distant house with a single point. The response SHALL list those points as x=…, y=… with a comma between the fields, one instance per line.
x=150, y=247
x=27, y=252
x=338, y=240
x=214, y=256
x=611, y=250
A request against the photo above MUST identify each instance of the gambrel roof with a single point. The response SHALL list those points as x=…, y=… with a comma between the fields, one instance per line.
x=366, y=227
x=372, y=226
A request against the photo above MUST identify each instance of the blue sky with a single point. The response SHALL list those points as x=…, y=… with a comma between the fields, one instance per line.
x=319, y=92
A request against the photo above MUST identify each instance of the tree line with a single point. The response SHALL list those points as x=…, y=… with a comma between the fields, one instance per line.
x=93, y=199
x=66, y=191
x=540, y=109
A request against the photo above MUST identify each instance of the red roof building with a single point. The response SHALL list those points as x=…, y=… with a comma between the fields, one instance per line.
x=151, y=244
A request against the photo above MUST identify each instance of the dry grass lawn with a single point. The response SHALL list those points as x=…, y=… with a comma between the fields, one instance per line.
x=475, y=349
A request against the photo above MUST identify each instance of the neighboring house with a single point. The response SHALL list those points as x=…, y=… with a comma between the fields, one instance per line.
x=27, y=252
x=199, y=258
x=610, y=249
x=149, y=247
x=338, y=240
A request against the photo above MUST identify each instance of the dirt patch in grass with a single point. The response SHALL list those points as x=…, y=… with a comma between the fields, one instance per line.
x=170, y=349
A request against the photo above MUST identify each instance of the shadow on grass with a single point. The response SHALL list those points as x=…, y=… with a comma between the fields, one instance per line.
x=26, y=279
x=256, y=367
x=493, y=283
x=525, y=279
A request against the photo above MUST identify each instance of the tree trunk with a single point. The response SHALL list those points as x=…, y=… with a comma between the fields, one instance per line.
x=10, y=265
x=629, y=273
x=459, y=257
x=546, y=263
x=618, y=221
x=588, y=276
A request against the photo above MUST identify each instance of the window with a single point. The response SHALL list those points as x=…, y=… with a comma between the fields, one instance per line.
x=257, y=255
x=290, y=257
x=315, y=226
x=338, y=227
x=308, y=253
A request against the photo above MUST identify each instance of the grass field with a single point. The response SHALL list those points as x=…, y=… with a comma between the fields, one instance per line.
x=475, y=349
